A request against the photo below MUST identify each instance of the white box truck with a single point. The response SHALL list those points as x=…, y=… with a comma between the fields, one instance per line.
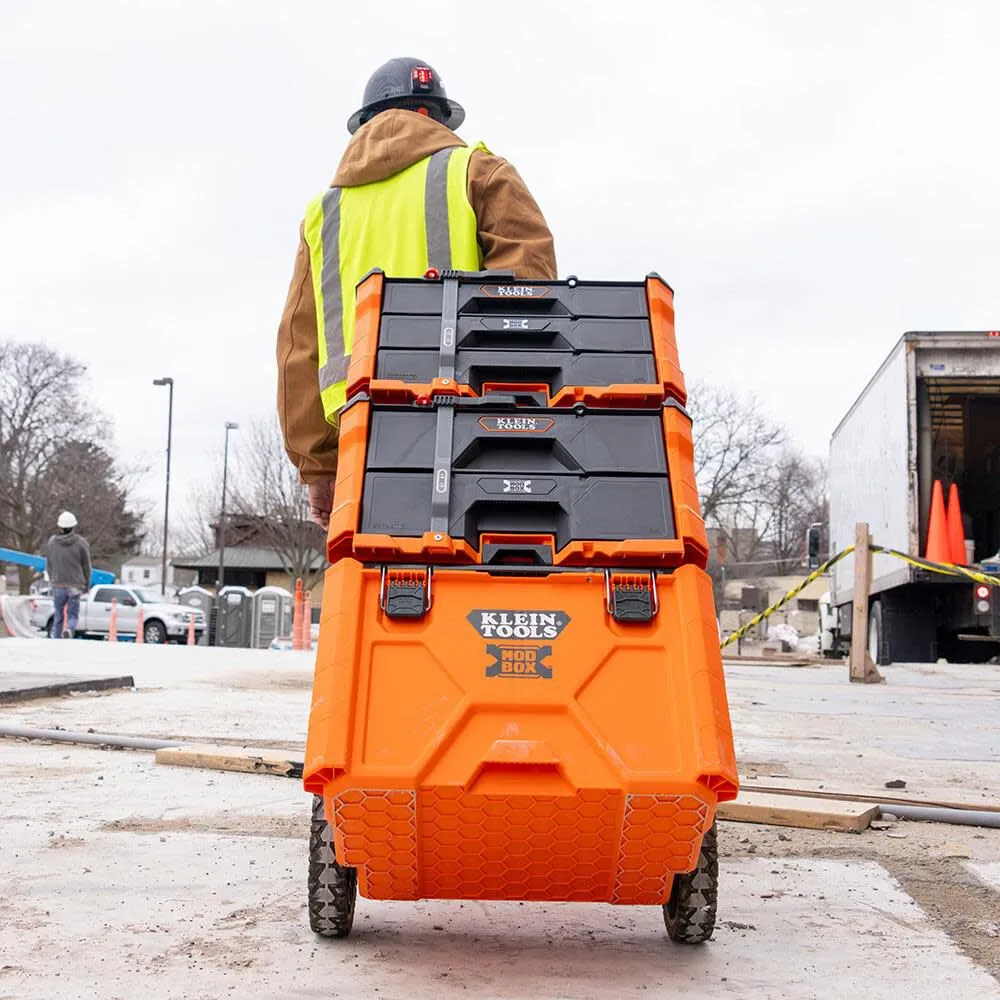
x=931, y=411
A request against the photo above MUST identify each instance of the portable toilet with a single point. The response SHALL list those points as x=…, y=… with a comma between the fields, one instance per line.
x=234, y=625
x=204, y=601
x=272, y=615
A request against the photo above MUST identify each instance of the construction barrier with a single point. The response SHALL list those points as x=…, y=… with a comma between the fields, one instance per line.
x=944, y=568
x=15, y=614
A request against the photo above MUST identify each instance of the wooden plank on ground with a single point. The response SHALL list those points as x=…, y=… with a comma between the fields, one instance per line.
x=799, y=811
x=773, y=660
x=798, y=787
x=219, y=758
x=25, y=686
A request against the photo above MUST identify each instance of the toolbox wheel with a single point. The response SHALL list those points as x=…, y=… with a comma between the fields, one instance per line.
x=690, y=912
x=333, y=889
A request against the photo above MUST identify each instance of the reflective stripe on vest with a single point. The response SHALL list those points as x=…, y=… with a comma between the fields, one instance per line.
x=416, y=219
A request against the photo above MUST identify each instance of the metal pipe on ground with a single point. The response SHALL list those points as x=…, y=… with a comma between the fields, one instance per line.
x=93, y=739
x=939, y=814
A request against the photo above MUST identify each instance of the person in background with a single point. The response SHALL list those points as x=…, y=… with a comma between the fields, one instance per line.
x=409, y=194
x=69, y=573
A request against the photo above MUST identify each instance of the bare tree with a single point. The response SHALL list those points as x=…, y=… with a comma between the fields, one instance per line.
x=735, y=446
x=194, y=531
x=797, y=499
x=52, y=456
x=266, y=489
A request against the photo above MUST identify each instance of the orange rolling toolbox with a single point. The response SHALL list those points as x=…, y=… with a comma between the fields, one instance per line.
x=519, y=690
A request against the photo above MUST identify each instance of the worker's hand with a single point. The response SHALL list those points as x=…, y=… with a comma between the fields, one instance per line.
x=321, y=501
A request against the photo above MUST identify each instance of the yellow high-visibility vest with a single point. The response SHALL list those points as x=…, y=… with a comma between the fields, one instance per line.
x=416, y=219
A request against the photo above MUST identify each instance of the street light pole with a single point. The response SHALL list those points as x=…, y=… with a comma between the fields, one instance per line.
x=222, y=519
x=169, y=382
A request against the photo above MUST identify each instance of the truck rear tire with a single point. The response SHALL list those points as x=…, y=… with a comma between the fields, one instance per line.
x=876, y=634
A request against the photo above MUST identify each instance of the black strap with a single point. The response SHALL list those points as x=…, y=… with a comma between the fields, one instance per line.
x=444, y=435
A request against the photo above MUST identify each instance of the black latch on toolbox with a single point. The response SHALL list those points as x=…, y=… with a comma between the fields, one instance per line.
x=405, y=593
x=631, y=598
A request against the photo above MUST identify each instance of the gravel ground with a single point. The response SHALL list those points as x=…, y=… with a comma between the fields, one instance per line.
x=121, y=878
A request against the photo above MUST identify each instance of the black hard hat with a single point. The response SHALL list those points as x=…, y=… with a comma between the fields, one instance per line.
x=405, y=82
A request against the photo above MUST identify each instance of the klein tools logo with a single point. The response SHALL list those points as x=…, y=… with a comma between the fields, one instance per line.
x=519, y=661
x=518, y=624
x=508, y=425
x=515, y=291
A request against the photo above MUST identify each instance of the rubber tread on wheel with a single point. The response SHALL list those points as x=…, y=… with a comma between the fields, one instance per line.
x=333, y=889
x=690, y=912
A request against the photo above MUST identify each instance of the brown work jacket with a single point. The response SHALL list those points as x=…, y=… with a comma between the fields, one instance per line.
x=512, y=233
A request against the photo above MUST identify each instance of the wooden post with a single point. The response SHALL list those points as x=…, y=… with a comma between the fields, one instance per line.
x=863, y=669
x=113, y=621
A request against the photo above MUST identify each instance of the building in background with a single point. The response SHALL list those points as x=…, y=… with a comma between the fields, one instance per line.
x=146, y=571
x=252, y=567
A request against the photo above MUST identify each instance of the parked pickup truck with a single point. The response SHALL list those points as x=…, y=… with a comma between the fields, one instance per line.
x=162, y=621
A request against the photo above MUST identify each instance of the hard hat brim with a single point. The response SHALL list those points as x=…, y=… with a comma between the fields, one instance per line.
x=456, y=113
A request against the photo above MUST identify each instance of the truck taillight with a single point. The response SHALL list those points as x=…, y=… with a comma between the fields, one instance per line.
x=982, y=591
x=983, y=599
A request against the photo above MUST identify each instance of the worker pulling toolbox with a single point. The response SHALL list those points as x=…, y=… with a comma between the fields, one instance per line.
x=519, y=691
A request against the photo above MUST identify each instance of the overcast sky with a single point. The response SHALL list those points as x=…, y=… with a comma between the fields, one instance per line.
x=812, y=178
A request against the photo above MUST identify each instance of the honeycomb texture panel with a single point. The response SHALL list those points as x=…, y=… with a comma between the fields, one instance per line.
x=375, y=831
x=661, y=836
x=594, y=846
x=559, y=847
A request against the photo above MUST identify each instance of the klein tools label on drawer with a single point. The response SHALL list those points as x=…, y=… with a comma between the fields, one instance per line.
x=515, y=425
x=515, y=291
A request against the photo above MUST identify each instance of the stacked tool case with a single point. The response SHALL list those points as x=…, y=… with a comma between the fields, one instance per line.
x=519, y=691
x=481, y=408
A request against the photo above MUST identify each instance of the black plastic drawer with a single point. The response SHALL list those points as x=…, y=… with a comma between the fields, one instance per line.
x=521, y=443
x=555, y=369
x=571, y=508
x=519, y=333
x=519, y=298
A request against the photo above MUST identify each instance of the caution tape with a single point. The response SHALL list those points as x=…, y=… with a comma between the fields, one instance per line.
x=945, y=569
x=778, y=605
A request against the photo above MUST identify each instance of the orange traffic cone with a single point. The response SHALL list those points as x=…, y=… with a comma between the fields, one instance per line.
x=307, y=635
x=956, y=528
x=938, y=549
x=297, y=616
